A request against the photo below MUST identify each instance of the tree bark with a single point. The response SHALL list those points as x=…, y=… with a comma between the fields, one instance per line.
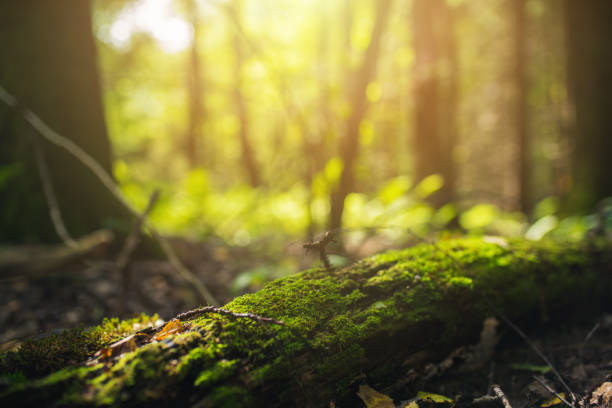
x=590, y=90
x=435, y=73
x=349, y=144
x=195, y=85
x=248, y=157
x=49, y=64
x=520, y=98
x=384, y=318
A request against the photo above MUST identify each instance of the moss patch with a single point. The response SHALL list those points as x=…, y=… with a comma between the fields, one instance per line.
x=370, y=316
x=36, y=358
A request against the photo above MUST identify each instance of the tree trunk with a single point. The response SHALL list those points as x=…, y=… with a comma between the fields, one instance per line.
x=349, y=144
x=49, y=64
x=590, y=89
x=248, y=156
x=380, y=320
x=520, y=98
x=194, y=140
x=434, y=95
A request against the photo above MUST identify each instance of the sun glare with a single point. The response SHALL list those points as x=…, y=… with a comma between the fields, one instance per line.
x=157, y=18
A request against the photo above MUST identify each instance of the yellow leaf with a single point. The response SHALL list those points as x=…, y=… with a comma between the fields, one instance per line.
x=374, y=399
x=433, y=397
x=552, y=401
x=174, y=326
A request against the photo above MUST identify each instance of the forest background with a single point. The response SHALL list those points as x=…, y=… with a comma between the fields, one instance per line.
x=264, y=123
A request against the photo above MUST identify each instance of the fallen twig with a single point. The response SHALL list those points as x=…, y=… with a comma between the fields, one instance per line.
x=534, y=348
x=182, y=269
x=48, y=190
x=500, y=394
x=130, y=244
x=555, y=393
x=212, y=309
x=591, y=333
x=19, y=262
x=81, y=155
x=320, y=245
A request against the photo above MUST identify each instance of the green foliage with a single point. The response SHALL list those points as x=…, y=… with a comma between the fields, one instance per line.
x=296, y=74
x=9, y=172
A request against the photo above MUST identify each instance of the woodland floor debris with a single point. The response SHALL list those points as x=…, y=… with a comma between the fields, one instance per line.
x=380, y=321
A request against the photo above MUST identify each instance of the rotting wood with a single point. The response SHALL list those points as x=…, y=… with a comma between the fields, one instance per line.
x=363, y=322
x=32, y=260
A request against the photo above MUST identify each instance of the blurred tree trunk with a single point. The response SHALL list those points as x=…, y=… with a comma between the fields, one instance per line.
x=49, y=64
x=520, y=95
x=435, y=82
x=314, y=143
x=589, y=30
x=248, y=156
x=349, y=144
x=194, y=90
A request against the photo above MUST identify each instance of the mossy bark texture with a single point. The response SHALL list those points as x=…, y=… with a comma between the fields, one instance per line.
x=368, y=321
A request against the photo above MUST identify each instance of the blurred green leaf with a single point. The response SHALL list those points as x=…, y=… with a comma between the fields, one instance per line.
x=541, y=227
x=429, y=185
x=394, y=188
x=333, y=170
x=444, y=215
x=478, y=216
x=530, y=367
x=547, y=206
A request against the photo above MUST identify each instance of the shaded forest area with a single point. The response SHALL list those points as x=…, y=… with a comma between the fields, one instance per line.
x=161, y=155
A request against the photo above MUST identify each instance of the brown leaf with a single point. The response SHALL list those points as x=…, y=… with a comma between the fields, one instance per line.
x=602, y=396
x=174, y=326
x=116, y=349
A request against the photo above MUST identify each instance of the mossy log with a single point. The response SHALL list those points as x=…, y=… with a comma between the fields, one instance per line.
x=370, y=319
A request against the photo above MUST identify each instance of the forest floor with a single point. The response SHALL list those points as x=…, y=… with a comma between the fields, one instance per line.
x=581, y=352
x=82, y=293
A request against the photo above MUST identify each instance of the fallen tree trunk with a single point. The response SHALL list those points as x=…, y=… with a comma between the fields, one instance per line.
x=24, y=261
x=382, y=318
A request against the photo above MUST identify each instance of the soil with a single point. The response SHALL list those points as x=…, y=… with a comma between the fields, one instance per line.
x=580, y=351
x=83, y=293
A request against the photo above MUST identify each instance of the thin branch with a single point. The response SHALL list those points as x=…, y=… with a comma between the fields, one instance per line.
x=500, y=394
x=52, y=136
x=54, y=211
x=555, y=393
x=321, y=246
x=591, y=333
x=533, y=347
x=131, y=243
x=133, y=239
x=182, y=270
x=212, y=309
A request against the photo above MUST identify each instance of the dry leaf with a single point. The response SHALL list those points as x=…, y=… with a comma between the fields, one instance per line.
x=374, y=399
x=174, y=326
x=116, y=349
x=602, y=396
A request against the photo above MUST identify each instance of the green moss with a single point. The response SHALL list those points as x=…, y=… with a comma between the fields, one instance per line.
x=460, y=282
x=334, y=320
x=36, y=358
x=220, y=371
x=229, y=397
